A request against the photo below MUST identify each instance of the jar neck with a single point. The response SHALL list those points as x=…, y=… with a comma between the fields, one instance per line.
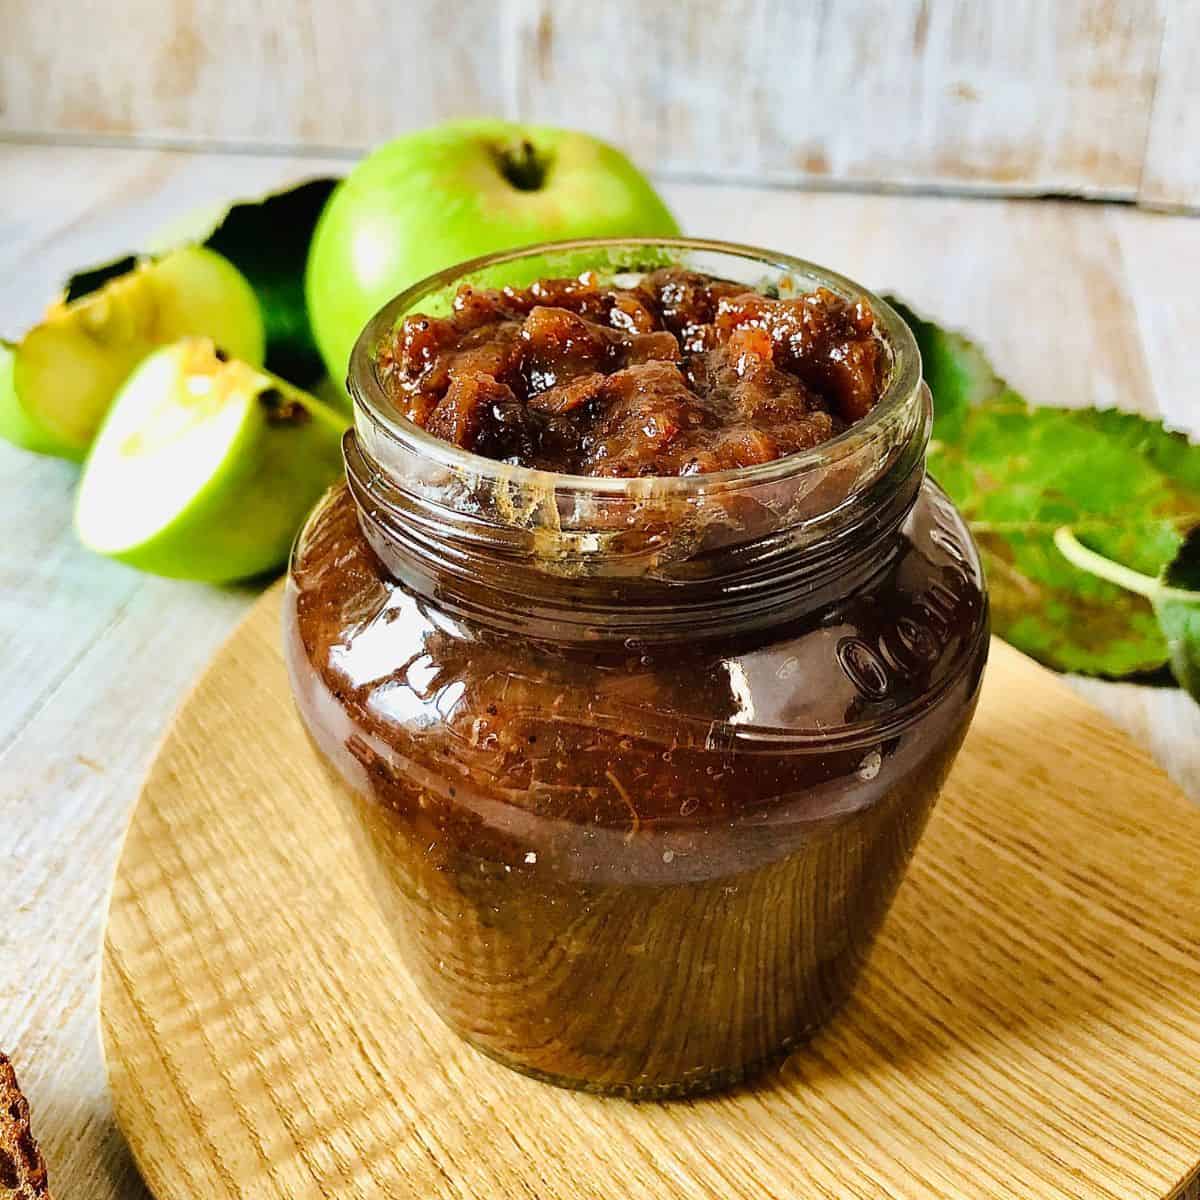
x=649, y=563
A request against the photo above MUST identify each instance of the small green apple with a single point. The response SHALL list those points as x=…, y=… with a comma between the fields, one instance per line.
x=440, y=196
x=58, y=381
x=205, y=466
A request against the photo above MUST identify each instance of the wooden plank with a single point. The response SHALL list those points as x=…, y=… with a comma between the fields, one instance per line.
x=1107, y=284
x=93, y=658
x=1038, y=96
x=1034, y=282
x=68, y=782
x=71, y=209
x=62, y=208
x=1171, y=170
x=1035, y=96
x=343, y=74
x=984, y=1053
x=1158, y=291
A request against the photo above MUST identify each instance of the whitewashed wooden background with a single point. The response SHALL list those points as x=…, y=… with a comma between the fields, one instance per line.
x=94, y=656
x=1090, y=97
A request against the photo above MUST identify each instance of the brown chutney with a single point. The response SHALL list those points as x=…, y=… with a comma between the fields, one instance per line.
x=636, y=764
x=677, y=373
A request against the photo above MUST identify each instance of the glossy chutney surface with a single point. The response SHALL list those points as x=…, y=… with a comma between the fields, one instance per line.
x=646, y=869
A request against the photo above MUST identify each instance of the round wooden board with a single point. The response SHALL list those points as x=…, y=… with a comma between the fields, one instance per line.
x=1029, y=1024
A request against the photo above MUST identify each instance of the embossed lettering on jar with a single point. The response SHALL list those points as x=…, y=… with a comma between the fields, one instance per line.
x=636, y=766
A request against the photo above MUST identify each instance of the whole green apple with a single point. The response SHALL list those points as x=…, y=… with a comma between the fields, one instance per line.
x=440, y=196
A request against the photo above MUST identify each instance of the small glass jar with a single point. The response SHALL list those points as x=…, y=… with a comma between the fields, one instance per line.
x=637, y=765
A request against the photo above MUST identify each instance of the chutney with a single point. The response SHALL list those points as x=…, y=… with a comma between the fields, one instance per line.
x=678, y=374
x=636, y=764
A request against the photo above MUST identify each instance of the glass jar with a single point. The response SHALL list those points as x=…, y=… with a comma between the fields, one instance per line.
x=637, y=765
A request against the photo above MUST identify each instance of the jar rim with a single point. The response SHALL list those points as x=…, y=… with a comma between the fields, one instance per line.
x=373, y=405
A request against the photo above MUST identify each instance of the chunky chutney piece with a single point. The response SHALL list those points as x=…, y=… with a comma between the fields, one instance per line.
x=678, y=374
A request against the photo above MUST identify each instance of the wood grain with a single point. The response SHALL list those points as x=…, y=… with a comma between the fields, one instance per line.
x=1026, y=1026
x=1039, y=96
x=93, y=658
x=1042, y=96
x=318, y=73
x=1171, y=170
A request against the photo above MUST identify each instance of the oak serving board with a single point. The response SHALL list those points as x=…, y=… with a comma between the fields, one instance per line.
x=1028, y=1026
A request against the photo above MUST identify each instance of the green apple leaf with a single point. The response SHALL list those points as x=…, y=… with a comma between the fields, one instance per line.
x=84, y=283
x=267, y=240
x=1125, y=489
x=1174, y=595
x=1177, y=604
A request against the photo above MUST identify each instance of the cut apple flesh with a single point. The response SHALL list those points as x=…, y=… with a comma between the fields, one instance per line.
x=205, y=467
x=67, y=369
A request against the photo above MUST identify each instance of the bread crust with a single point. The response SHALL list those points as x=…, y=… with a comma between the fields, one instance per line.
x=22, y=1168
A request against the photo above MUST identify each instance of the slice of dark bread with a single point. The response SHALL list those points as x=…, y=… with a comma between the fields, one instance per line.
x=22, y=1171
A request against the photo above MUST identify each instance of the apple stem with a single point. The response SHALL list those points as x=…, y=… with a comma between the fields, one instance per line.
x=521, y=166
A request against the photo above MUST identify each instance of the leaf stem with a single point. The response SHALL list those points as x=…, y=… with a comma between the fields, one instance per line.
x=1078, y=555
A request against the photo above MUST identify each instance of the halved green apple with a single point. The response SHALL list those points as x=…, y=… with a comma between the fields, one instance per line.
x=58, y=381
x=205, y=467
x=15, y=425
